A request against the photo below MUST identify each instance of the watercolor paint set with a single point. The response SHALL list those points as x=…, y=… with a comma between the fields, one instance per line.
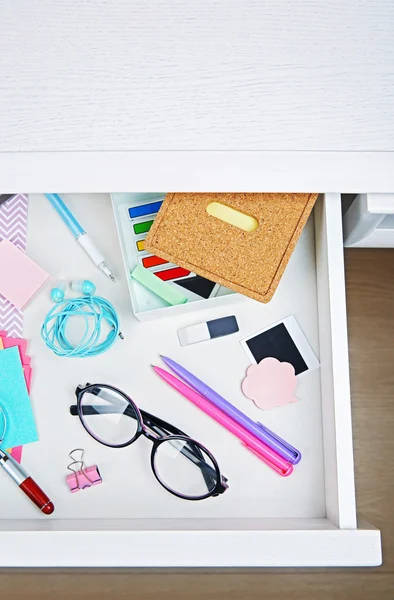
x=134, y=216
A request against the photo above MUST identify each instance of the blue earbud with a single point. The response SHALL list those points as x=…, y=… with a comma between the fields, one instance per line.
x=57, y=293
x=85, y=287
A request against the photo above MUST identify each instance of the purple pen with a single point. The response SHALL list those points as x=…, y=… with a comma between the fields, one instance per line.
x=283, y=448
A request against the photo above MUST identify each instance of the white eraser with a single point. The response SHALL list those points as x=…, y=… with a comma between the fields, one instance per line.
x=193, y=334
x=207, y=331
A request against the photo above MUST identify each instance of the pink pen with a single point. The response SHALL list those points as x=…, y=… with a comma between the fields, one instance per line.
x=264, y=452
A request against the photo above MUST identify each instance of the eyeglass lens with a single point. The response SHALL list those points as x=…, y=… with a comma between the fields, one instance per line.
x=108, y=416
x=185, y=468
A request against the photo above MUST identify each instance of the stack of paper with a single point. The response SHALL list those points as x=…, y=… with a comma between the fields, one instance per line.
x=15, y=378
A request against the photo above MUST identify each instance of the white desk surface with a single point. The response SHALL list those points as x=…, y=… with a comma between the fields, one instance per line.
x=130, y=489
x=306, y=80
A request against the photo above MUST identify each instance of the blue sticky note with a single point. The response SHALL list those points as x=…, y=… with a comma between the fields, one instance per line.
x=144, y=209
x=14, y=399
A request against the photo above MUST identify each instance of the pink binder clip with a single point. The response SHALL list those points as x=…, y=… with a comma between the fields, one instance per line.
x=82, y=476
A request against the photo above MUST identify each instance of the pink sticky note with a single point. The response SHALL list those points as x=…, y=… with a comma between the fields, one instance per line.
x=16, y=453
x=27, y=374
x=20, y=276
x=271, y=383
x=22, y=345
x=10, y=342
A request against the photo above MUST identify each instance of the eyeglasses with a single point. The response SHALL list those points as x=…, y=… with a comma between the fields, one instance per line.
x=183, y=466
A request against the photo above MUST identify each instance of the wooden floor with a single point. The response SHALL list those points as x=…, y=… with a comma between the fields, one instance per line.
x=370, y=289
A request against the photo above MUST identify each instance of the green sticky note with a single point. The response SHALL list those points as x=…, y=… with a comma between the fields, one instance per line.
x=14, y=399
x=142, y=227
x=157, y=286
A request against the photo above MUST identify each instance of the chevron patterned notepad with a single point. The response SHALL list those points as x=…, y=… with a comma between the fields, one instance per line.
x=13, y=227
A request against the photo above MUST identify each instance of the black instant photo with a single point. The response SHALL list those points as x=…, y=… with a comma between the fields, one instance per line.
x=277, y=343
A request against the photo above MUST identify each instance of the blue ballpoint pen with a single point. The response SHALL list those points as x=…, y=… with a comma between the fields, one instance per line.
x=80, y=234
x=284, y=449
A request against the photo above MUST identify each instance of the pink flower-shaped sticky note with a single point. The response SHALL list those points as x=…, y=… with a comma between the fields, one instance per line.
x=271, y=383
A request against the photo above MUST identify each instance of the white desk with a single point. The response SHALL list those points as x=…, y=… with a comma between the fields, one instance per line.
x=276, y=95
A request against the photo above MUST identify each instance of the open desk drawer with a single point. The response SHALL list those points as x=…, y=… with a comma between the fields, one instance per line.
x=308, y=519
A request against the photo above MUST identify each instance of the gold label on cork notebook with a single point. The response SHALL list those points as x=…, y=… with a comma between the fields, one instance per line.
x=242, y=241
x=232, y=216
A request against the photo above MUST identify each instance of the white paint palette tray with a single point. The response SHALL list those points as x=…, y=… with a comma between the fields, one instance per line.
x=134, y=215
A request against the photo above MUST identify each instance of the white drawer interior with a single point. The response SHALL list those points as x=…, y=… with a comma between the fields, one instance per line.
x=308, y=518
x=369, y=221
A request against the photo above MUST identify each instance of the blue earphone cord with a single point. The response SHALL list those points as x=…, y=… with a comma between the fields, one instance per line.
x=53, y=330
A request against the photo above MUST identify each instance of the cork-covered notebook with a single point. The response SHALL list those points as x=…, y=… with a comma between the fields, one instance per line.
x=242, y=241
